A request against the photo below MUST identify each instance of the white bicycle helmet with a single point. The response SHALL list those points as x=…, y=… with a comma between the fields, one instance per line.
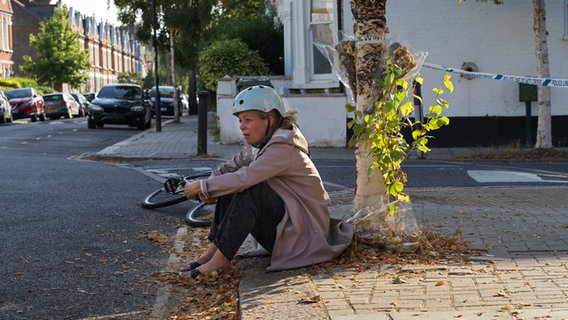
x=261, y=98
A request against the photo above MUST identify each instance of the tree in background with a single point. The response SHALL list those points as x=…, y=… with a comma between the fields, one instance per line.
x=60, y=58
x=261, y=30
x=183, y=20
x=197, y=24
x=544, y=127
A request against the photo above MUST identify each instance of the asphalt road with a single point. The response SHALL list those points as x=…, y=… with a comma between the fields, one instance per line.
x=71, y=231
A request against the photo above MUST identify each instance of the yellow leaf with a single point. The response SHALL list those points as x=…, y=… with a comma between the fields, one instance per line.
x=440, y=283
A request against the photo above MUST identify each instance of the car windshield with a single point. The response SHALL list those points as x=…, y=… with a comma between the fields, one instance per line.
x=120, y=92
x=53, y=97
x=19, y=93
x=165, y=92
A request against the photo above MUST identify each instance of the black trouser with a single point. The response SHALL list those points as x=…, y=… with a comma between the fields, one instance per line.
x=256, y=210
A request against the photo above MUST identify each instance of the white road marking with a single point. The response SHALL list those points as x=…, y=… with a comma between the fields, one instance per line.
x=489, y=176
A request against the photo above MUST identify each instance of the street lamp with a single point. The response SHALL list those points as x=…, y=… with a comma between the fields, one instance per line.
x=155, y=44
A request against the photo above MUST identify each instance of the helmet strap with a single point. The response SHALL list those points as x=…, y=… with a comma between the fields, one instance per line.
x=269, y=131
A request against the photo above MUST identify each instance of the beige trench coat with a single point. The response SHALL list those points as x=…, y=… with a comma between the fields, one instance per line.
x=307, y=234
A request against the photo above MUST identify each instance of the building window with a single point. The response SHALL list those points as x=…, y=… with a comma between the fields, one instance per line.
x=321, y=26
x=4, y=36
x=565, y=37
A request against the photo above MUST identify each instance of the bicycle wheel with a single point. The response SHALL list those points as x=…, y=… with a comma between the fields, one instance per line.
x=200, y=215
x=160, y=198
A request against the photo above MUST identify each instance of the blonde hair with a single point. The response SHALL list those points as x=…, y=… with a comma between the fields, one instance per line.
x=288, y=121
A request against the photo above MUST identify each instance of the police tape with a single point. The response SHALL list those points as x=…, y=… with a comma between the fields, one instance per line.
x=544, y=82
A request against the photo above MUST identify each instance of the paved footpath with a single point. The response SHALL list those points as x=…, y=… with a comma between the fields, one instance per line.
x=521, y=273
x=520, y=232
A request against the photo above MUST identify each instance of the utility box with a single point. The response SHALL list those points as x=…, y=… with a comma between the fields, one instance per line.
x=527, y=92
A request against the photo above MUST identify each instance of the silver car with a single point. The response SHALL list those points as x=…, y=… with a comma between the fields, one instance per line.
x=5, y=109
x=61, y=105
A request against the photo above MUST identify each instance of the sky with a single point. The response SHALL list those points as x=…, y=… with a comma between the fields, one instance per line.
x=96, y=7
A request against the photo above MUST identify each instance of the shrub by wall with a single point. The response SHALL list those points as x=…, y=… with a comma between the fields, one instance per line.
x=229, y=58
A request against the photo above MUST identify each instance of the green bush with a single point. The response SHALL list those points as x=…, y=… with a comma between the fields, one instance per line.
x=25, y=82
x=229, y=57
x=7, y=84
x=44, y=89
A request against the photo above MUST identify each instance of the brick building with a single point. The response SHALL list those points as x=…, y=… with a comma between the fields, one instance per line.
x=6, y=62
x=112, y=49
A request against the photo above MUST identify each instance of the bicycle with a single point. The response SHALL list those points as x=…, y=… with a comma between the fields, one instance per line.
x=171, y=193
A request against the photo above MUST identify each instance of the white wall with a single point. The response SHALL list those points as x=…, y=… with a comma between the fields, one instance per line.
x=498, y=38
x=321, y=117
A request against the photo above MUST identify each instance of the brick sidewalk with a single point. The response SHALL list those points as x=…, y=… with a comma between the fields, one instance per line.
x=521, y=273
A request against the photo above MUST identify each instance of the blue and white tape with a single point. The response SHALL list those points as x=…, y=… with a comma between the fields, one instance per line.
x=544, y=82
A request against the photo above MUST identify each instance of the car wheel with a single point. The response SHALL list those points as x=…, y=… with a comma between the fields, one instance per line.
x=68, y=114
x=42, y=116
x=34, y=117
x=100, y=125
x=91, y=124
x=3, y=119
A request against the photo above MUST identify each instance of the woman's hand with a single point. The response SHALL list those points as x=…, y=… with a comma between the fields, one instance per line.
x=191, y=190
x=194, y=189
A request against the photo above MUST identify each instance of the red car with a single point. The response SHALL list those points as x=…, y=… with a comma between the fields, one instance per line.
x=26, y=103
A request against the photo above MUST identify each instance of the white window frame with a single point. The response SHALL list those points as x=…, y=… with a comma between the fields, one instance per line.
x=565, y=36
x=311, y=58
x=301, y=46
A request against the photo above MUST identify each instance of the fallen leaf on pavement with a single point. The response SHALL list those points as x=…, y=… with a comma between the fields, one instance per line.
x=314, y=299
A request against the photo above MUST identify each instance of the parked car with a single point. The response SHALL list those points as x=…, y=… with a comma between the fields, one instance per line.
x=166, y=100
x=60, y=104
x=5, y=109
x=121, y=104
x=26, y=103
x=90, y=96
x=83, y=103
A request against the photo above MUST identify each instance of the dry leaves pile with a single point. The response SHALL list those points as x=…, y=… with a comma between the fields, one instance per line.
x=429, y=248
x=216, y=296
x=212, y=296
x=520, y=154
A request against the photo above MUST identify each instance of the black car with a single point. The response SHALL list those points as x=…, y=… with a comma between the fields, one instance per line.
x=121, y=104
x=166, y=101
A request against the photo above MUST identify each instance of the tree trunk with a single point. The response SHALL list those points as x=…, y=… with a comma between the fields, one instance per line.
x=543, y=133
x=369, y=17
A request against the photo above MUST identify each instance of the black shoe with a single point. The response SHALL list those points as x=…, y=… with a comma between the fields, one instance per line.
x=194, y=265
x=195, y=273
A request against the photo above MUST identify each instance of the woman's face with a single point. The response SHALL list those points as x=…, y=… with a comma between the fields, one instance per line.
x=252, y=126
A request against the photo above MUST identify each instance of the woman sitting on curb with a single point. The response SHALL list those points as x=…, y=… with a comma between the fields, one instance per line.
x=271, y=190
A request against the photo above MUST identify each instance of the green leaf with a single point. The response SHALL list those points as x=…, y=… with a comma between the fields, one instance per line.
x=447, y=83
x=358, y=128
x=406, y=109
x=436, y=110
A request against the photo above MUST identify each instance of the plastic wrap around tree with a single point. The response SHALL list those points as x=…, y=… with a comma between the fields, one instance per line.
x=341, y=57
